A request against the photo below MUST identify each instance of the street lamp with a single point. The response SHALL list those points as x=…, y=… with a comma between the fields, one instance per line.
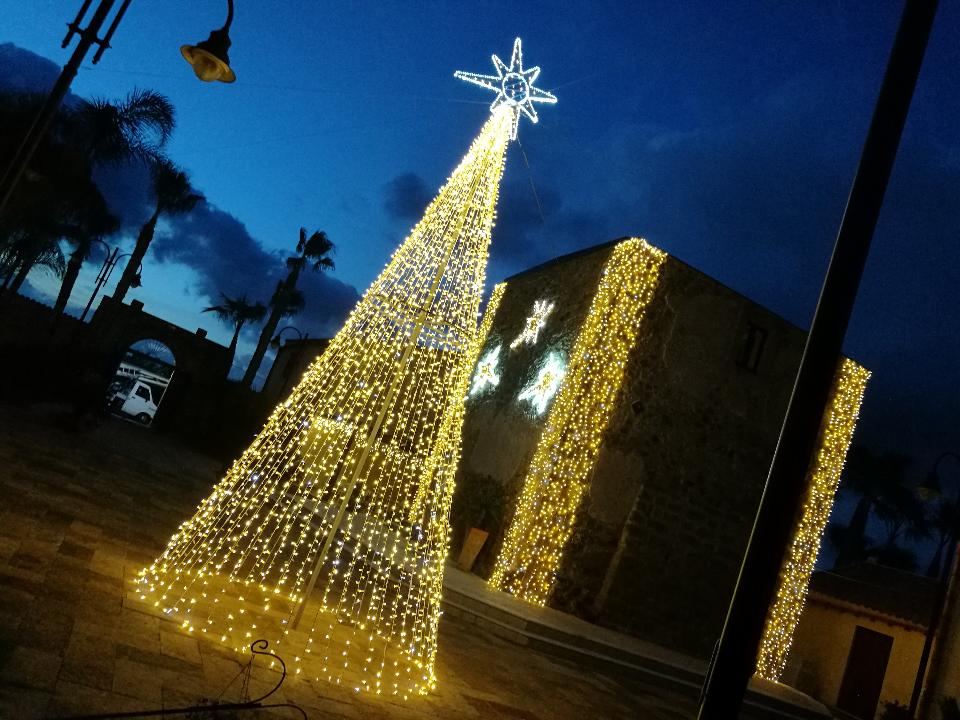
x=109, y=263
x=931, y=489
x=275, y=343
x=209, y=58
x=208, y=55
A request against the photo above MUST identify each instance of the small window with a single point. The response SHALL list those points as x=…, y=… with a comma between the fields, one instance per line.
x=754, y=340
x=143, y=392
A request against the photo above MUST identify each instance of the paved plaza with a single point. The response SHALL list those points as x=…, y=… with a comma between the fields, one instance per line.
x=80, y=510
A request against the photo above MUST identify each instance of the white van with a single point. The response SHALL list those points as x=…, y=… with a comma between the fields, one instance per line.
x=139, y=402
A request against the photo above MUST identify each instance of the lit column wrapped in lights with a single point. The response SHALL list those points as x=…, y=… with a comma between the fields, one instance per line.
x=836, y=433
x=327, y=537
x=568, y=447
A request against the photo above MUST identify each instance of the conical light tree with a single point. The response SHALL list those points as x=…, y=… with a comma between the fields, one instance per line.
x=328, y=535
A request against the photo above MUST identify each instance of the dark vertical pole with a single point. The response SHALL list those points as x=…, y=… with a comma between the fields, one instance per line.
x=933, y=626
x=102, y=278
x=735, y=658
x=39, y=127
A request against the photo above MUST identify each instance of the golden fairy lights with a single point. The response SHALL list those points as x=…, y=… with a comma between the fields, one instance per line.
x=568, y=448
x=836, y=432
x=329, y=534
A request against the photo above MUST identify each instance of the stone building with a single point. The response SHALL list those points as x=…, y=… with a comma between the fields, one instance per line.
x=669, y=500
x=857, y=646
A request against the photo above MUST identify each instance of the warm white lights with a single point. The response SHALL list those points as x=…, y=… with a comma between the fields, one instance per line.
x=513, y=85
x=487, y=374
x=545, y=385
x=328, y=536
x=533, y=325
x=836, y=432
x=561, y=464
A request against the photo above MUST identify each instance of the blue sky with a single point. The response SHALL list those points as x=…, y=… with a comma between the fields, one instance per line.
x=725, y=133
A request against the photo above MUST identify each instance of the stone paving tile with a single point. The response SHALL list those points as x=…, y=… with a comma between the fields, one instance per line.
x=85, y=513
x=31, y=668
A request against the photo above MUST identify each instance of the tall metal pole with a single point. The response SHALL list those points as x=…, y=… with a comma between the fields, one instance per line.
x=936, y=614
x=38, y=129
x=735, y=656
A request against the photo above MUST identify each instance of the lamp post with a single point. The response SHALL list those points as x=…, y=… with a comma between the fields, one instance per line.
x=209, y=57
x=106, y=270
x=275, y=342
x=931, y=489
x=206, y=54
x=735, y=655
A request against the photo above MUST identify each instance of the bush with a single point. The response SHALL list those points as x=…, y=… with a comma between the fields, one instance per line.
x=895, y=711
x=949, y=710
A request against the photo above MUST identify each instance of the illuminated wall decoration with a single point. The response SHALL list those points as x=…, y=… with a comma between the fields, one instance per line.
x=541, y=390
x=836, y=432
x=487, y=373
x=568, y=447
x=533, y=324
x=328, y=535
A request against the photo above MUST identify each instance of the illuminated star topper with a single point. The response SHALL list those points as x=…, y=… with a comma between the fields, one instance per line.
x=513, y=85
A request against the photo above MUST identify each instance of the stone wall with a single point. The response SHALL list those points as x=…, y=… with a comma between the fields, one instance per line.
x=500, y=433
x=691, y=442
x=660, y=534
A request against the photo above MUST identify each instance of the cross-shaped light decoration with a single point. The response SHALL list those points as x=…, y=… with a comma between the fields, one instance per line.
x=513, y=85
x=487, y=373
x=541, y=391
x=534, y=324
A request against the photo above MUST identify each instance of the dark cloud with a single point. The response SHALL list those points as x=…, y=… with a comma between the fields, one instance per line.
x=226, y=258
x=24, y=71
x=406, y=197
x=534, y=225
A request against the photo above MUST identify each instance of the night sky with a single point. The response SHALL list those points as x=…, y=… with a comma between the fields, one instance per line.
x=725, y=133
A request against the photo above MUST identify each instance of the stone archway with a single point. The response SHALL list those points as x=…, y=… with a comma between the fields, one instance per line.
x=141, y=381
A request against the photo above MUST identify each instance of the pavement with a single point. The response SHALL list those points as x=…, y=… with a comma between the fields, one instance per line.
x=79, y=511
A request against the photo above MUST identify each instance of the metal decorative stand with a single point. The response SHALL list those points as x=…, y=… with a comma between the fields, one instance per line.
x=210, y=708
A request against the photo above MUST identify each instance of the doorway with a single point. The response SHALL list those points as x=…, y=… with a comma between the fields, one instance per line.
x=863, y=676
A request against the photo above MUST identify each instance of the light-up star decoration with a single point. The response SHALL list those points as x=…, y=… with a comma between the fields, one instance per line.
x=513, y=85
x=534, y=324
x=541, y=391
x=487, y=374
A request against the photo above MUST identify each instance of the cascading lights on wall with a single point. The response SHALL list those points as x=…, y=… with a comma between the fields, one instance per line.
x=568, y=447
x=836, y=433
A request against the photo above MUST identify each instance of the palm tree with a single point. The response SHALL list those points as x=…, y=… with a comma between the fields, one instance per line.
x=174, y=196
x=314, y=250
x=90, y=222
x=135, y=128
x=237, y=312
x=57, y=198
x=879, y=482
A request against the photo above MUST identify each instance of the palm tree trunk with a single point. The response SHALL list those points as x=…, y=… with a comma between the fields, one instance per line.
x=232, y=350
x=276, y=311
x=70, y=277
x=18, y=273
x=136, y=257
x=265, y=336
x=853, y=541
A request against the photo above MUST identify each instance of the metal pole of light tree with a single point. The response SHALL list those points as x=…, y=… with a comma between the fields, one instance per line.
x=88, y=37
x=734, y=659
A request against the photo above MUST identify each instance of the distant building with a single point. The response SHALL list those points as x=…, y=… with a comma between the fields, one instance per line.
x=292, y=360
x=859, y=640
x=670, y=495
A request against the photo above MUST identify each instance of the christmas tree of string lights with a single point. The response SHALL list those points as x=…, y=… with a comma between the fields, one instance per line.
x=328, y=535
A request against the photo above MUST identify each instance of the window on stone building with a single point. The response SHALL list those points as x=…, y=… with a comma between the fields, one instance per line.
x=751, y=349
